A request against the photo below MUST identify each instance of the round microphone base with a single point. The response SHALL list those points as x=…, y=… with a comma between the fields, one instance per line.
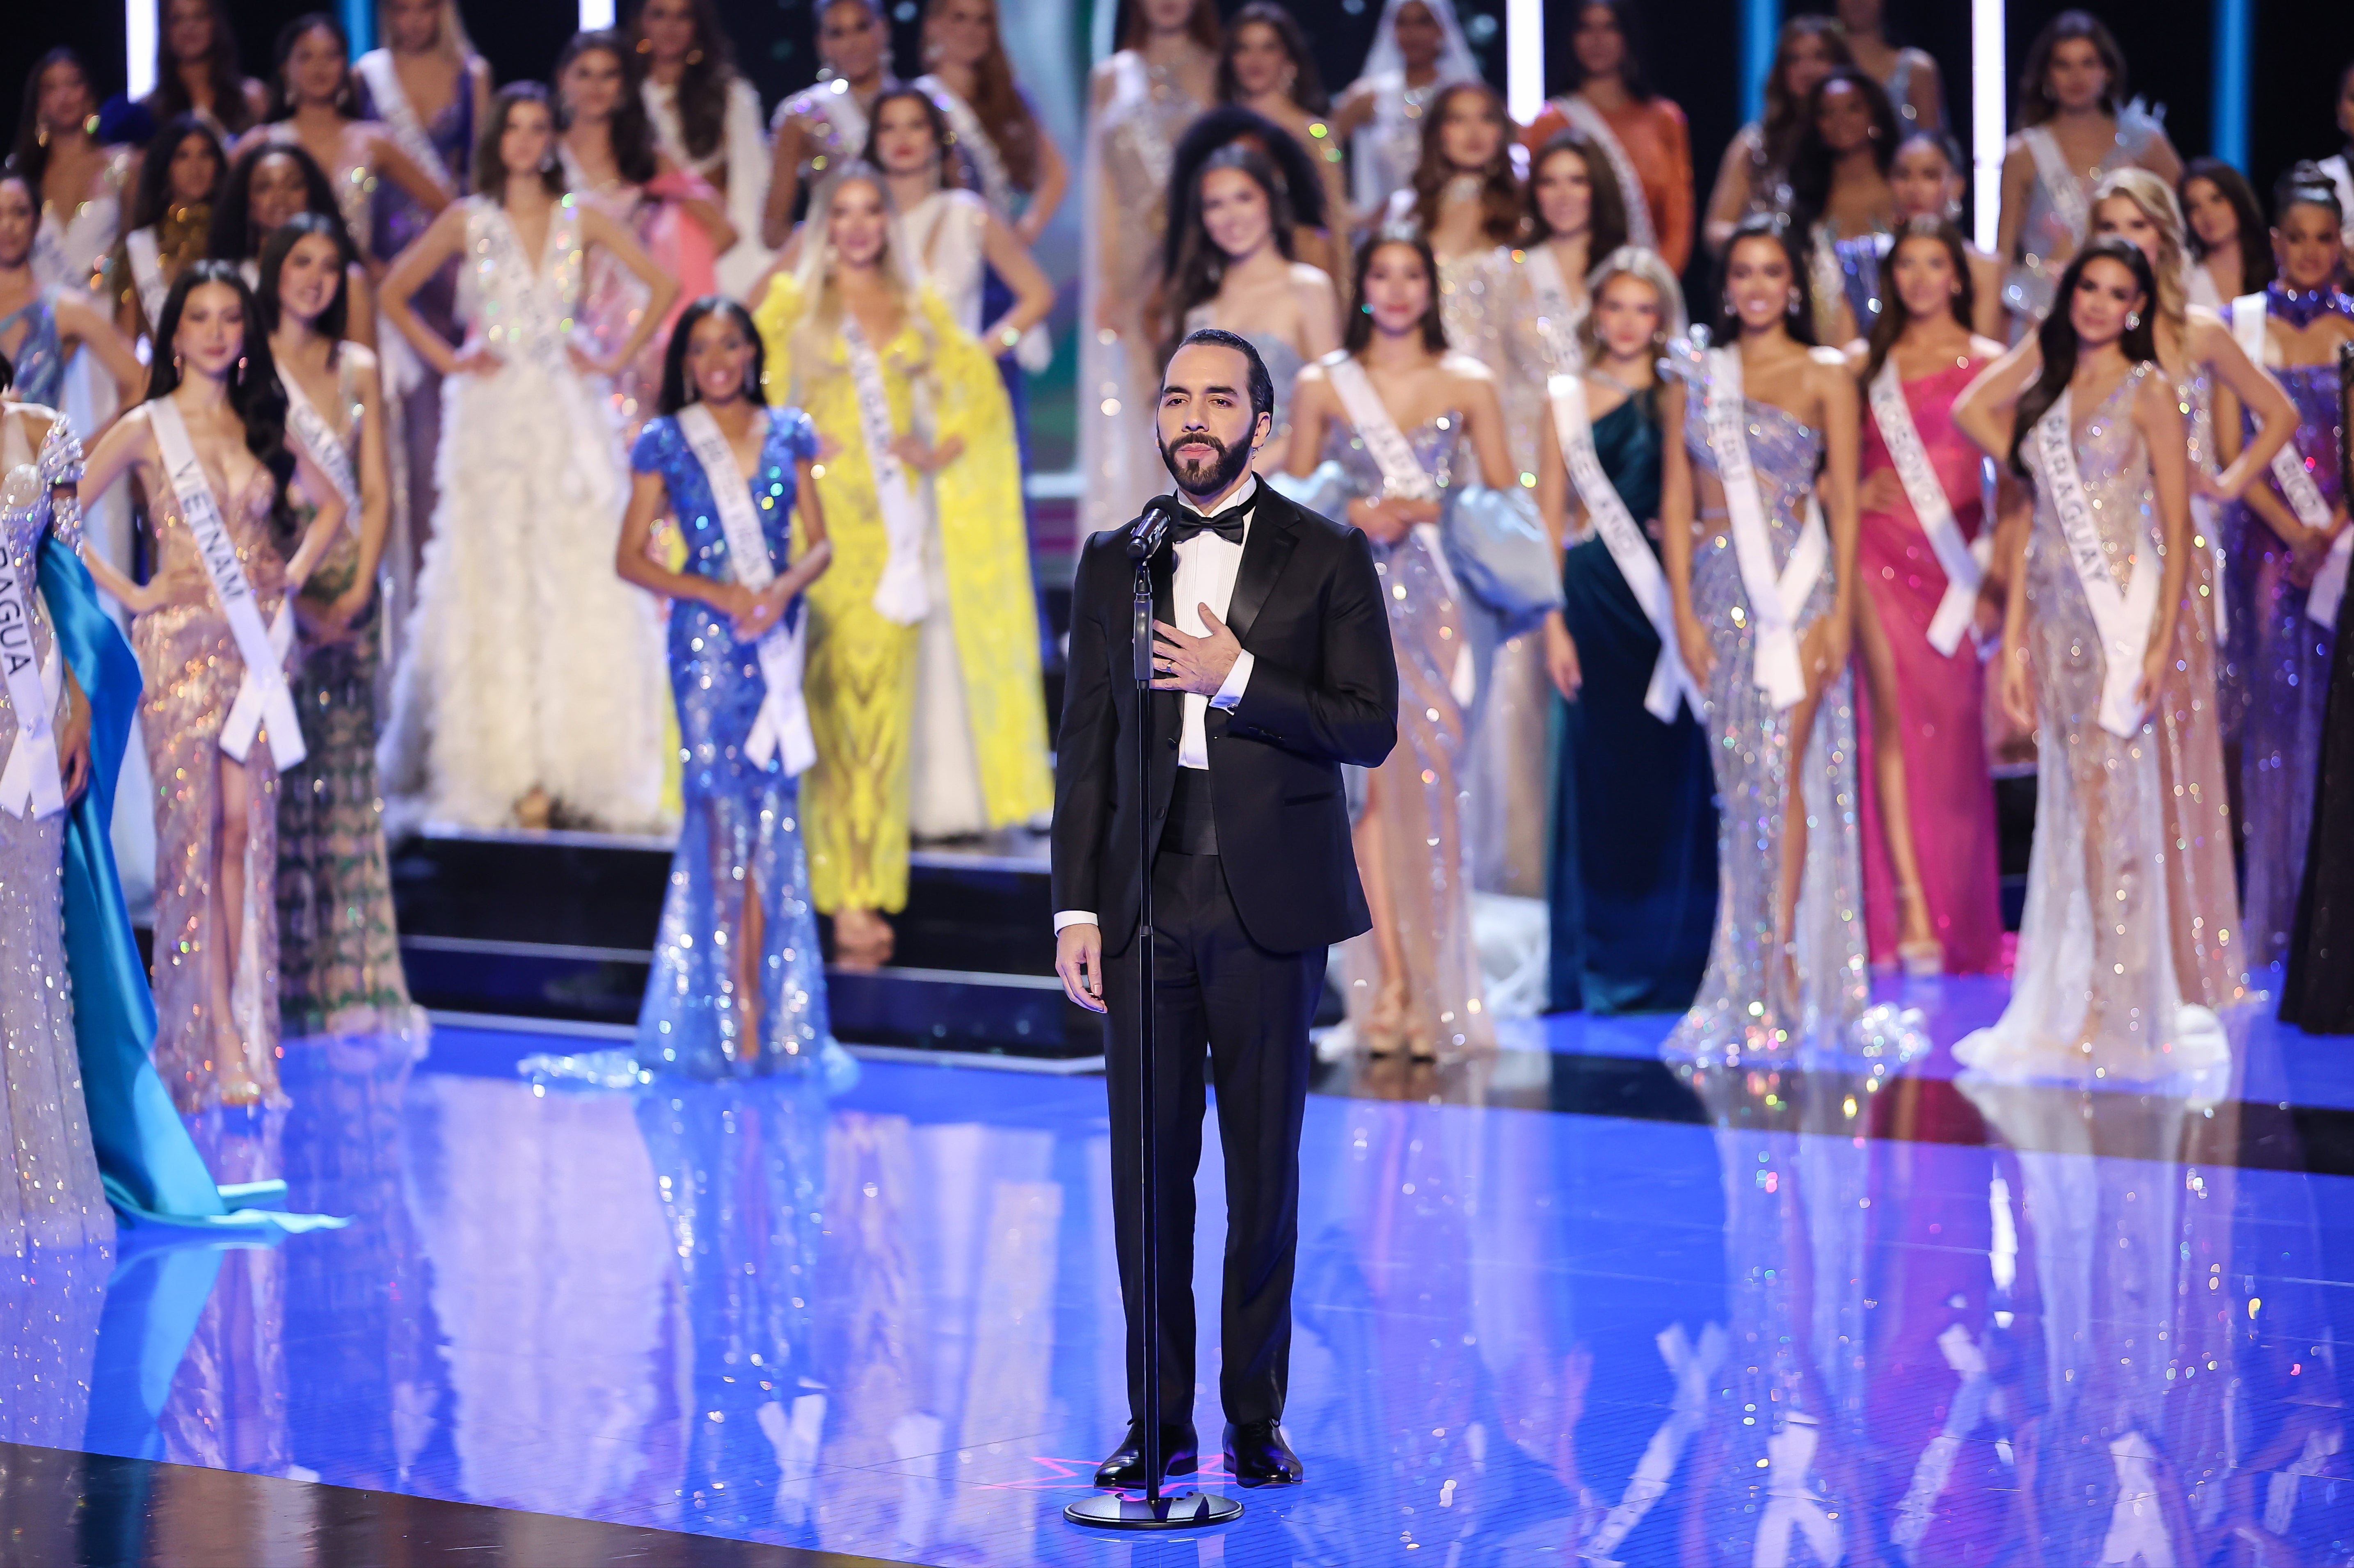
x=1183, y=1510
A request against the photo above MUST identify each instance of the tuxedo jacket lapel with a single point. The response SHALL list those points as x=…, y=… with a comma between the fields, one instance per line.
x=1274, y=531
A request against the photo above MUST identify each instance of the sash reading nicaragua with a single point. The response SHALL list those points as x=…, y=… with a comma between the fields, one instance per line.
x=1640, y=232
x=1558, y=316
x=901, y=596
x=1402, y=475
x=1926, y=492
x=319, y=440
x=2060, y=181
x=262, y=695
x=1670, y=682
x=2122, y=619
x=2288, y=470
x=147, y=273
x=783, y=720
x=30, y=778
x=1773, y=601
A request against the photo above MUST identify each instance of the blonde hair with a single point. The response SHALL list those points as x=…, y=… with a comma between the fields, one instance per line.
x=821, y=308
x=2157, y=201
x=1633, y=261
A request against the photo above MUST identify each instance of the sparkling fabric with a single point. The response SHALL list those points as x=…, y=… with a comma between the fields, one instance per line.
x=50, y=1197
x=2096, y=992
x=191, y=669
x=40, y=366
x=1418, y=850
x=2280, y=659
x=181, y=237
x=740, y=844
x=339, y=965
x=1748, y=1002
x=2045, y=239
x=612, y=301
x=351, y=173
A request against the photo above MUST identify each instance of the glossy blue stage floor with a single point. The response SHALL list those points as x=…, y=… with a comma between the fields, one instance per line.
x=1571, y=1305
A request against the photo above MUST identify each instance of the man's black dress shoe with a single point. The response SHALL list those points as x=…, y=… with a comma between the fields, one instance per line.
x=1256, y=1455
x=1180, y=1456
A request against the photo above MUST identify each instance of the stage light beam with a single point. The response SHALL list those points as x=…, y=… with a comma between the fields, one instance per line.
x=1988, y=71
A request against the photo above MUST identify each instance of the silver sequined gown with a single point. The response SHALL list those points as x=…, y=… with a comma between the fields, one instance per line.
x=50, y=1196
x=2095, y=990
x=1743, y=1006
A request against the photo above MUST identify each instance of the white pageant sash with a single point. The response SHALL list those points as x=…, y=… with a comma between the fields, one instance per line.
x=1402, y=475
x=1640, y=230
x=1557, y=315
x=392, y=105
x=2328, y=589
x=30, y=779
x=2060, y=182
x=1629, y=549
x=318, y=437
x=1963, y=567
x=1150, y=137
x=2123, y=620
x=1773, y=601
x=262, y=695
x=901, y=596
x=973, y=140
x=147, y=274
x=783, y=718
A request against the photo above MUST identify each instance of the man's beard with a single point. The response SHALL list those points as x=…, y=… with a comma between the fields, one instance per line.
x=1197, y=476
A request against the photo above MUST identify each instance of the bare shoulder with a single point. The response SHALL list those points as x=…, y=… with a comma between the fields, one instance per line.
x=1312, y=375
x=2155, y=399
x=36, y=417
x=1854, y=355
x=1826, y=363
x=1985, y=348
x=360, y=358
x=1466, y=370
x=1313, y=281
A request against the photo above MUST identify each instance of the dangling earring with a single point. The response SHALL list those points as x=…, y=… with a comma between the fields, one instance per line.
x=241, y=370
x=2133, y=320
x=1797, y=302
x=645, y=46
x=694, y=56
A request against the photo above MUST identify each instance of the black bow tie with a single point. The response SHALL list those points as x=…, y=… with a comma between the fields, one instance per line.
x=1226, y=525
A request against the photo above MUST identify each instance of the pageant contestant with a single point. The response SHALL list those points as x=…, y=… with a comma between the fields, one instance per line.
x=816, y=131
x=339, y=967
x=739, y=983
x=1235, y=270
x=1643, y=135
x=1762, y=622
x=1267, y=68
x=1391, y=434
x=214, y=629
x=314, y=107
x=42, y=326
x=1298, y=181
x=2075, y=127
x=269, y=183
x=2286, y=549
x=52, y=1197
x=1909, y=77
x=1839, y=191
x=1275, y=675
x=1575, y=218
x=1140, y=102
x=922, y=676
x=1418, y=52
x=529, y=692
x=2230, y=245
x=1930, y=899
x=79, y=183
x=171, y=222
x=1022, y=172
x=1634, y=869
x=1754, y=173
x=1925, y=181
x=706, y=121
x=2087, y=637
x=196, y=70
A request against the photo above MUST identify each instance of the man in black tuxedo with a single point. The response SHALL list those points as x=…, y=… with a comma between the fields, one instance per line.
x=1273, y=666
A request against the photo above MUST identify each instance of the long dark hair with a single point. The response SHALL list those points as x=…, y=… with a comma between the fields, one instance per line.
x=1295, y=170
x=676, y=393
x=256, y=395
x=704, y=80
x=151, y=198
x=1798, y=320
x=2035, y=105
x=233, y=237
x=1499, y=190
x=1605, y=227
x=1358, y=332
x=1201, y=266
x=489, y=172
x=336, y=317
x=1306, y=85
x=282, y=100
x=1811, y=158
x=1785, y=119
x=952, y=168
x=2256, y=244
x=632, y=133
x=221, y=68
x=2057, y=337
x=1631, y=71
x=31, y=152
x=1893, y=316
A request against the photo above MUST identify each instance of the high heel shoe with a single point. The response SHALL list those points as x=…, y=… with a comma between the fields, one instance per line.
x=1384, y=1027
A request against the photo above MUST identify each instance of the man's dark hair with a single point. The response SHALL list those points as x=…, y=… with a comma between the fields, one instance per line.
x=1262, y=385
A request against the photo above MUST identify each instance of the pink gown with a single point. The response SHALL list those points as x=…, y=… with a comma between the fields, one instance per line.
x=1940, y=698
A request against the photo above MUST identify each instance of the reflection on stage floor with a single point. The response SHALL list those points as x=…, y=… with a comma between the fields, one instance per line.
x=1571, y=1305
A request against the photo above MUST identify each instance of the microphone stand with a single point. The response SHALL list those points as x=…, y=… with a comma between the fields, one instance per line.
x=1154, y=1510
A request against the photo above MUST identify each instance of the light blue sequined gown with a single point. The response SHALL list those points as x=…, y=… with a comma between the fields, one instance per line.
x=742, y=824
x=1758, y=759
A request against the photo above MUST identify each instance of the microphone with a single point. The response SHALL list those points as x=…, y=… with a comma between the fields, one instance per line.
x=1145, y=535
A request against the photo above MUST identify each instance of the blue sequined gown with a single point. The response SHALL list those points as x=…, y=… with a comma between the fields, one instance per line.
x=741, y=831
x=1634, y=867
x=1758, y=761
